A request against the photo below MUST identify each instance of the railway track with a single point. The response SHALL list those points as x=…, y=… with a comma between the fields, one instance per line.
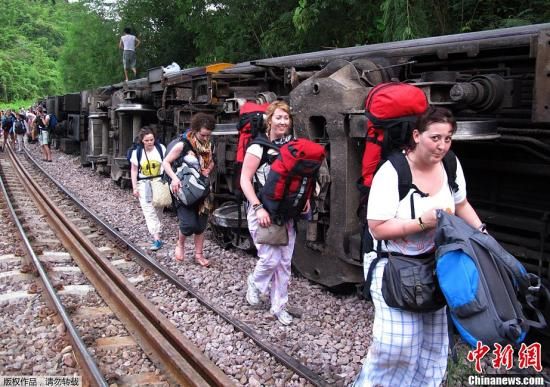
x=69, y=263
x=103, y=233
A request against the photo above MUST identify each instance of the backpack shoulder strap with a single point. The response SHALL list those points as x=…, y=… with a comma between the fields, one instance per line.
x=404, y=176
x=264, y=142
x=368, y=280
x=159, y=149
x=399, y=162
x=450, y=165
x=139, y=153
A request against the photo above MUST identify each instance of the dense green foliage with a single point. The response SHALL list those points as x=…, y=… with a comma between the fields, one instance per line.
x=88, y=57
x=50, y=47
x=29, y=49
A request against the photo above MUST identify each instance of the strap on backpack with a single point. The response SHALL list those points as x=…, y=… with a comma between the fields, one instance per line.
x=374, y=140
x=404, y=176
x=450, y=165
x=531, y=294
x=528, y=285
x=368, y=280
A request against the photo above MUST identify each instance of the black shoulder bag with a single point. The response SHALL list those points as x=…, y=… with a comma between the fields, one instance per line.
x=409, y=282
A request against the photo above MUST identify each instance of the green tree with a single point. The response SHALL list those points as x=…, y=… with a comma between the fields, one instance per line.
x=239, y=30
x=29, y=48
x=164, y=35
x=90, y=56
x=338, y=23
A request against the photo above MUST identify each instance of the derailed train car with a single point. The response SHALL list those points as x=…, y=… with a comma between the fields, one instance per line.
x=496, y=82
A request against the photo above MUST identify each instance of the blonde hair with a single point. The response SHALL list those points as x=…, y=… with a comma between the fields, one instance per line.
x=271, y=110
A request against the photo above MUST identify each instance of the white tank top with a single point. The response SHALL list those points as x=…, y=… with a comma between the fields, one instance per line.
x=129, y=42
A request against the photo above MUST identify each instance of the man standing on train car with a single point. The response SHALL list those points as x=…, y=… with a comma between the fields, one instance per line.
x=129, y=43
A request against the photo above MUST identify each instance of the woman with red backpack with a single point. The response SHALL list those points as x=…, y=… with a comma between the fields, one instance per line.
x=273, y=266
x=409, y=345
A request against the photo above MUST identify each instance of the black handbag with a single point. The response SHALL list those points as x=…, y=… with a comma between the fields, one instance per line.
x=408, y=283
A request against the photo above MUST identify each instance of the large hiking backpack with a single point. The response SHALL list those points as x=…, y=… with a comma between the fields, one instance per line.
x=52, y=123
x=138, y=147
x=7, y=122
x=251, y=123
x=20, y=127
x=487, y=290
x=292, y=177
x=392, y=110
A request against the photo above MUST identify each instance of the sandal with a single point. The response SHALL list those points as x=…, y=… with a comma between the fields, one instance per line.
x=179, y=253
x=200, y=260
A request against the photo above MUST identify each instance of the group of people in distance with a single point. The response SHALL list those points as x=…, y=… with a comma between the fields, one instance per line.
x=407, y=348
x=31, y=124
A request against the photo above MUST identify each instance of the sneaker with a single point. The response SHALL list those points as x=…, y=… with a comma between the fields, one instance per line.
x=156, y=245
x=284, y=317
x=252, y=293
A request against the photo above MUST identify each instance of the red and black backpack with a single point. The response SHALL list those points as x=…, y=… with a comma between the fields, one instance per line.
x=292, y=177
x=392, y=110
x=251, y=123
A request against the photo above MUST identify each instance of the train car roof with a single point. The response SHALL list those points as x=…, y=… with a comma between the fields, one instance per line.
x=442, y=45
x=470, y=43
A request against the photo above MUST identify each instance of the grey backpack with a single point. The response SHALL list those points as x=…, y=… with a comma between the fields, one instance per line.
x=194, y=186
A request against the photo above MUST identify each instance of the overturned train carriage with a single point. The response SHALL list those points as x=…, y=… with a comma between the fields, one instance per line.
x=496, y=82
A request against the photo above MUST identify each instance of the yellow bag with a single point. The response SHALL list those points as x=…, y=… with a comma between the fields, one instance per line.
x=161, y=193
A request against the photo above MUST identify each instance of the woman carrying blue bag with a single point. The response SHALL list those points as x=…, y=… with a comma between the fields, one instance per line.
x=410, y=348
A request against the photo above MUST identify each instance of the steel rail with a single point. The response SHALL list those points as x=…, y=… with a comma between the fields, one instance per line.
x=159, y=338
x=91, y=372
x=278, y=353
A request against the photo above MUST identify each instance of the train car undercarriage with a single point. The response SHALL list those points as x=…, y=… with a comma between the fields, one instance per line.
x=496, y=82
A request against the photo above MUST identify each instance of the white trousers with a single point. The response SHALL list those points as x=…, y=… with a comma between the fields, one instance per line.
x=150, y=213
x=20, y=141
x=273, y=266
x=407, y=349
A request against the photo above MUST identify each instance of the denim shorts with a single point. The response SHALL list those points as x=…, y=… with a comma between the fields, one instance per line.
x=129, y=59
x=44, y=137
